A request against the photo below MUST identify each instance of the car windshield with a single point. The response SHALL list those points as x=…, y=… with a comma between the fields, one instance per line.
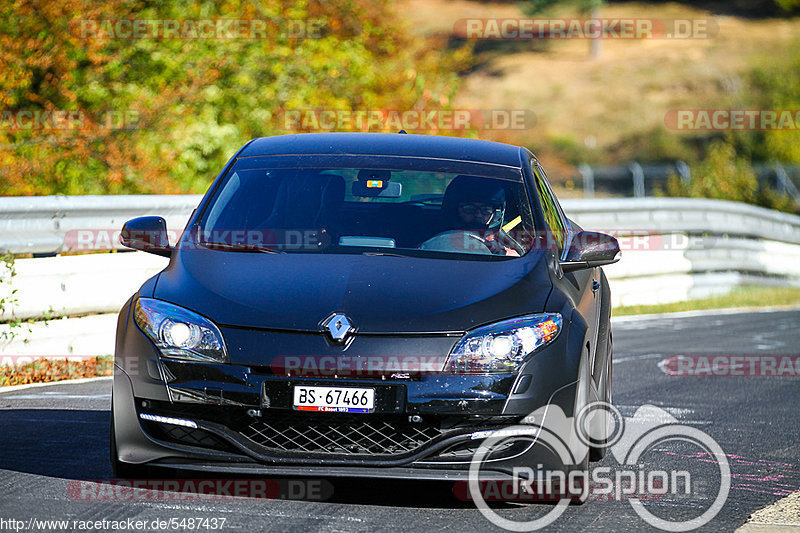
x=373, y=210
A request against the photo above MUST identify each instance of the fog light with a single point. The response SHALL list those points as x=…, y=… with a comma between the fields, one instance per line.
x=168, y=420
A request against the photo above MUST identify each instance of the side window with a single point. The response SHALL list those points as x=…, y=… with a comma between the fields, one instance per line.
x=551, y=213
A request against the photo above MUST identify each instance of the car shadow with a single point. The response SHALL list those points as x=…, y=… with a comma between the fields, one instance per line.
x=67, y=443
x=73, y=444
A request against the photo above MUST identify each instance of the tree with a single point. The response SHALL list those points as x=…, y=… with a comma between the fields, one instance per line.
x=164, y=114
x=585, y=7
x=788, y=6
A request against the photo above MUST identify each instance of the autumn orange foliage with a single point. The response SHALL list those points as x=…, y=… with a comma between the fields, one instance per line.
x=180, y=107
x=47, y=370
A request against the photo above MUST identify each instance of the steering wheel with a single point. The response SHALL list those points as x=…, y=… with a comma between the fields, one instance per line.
x=457, y=241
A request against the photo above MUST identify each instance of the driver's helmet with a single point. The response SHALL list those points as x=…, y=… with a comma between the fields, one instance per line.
x=472, y=202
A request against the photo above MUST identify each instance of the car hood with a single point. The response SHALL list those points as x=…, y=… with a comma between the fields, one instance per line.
x=379, y=294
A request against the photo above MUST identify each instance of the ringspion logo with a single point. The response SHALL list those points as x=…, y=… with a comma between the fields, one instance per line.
x=628, y=439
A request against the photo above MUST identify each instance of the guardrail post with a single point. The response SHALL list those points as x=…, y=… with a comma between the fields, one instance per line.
x=785, y=185
x=638, y=179
x=684, y=172
x=588, y=180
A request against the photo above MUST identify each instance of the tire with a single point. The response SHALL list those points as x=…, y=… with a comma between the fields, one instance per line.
x=596, y=453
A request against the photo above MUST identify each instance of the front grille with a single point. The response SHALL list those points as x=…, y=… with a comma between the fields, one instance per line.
x=184, y=435
x=342, y=434
x=195, y=437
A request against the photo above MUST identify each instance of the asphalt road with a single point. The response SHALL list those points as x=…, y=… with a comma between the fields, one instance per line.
x=52, y=437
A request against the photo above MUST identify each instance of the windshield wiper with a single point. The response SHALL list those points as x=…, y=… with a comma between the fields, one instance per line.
x=389, y=254
x=240, y=247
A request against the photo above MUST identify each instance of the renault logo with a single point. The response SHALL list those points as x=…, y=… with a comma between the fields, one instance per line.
x=338, y=327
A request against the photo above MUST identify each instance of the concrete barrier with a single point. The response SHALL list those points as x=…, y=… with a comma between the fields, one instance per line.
x=673, y=249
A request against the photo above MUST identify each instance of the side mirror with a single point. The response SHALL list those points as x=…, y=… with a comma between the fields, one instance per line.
x=148, y=234
x=591, y=249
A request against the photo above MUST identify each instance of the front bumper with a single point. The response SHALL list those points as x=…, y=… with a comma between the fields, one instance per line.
x=424, y=428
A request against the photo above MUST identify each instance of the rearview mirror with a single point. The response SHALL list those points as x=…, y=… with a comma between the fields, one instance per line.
x=148, y=234
x=591, y=249
x=377, y=189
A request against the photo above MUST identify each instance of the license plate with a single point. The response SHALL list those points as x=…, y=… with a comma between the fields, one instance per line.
x=334, y=399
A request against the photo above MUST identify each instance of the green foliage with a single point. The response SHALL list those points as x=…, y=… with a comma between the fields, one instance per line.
x=534, y=7
x=189, y=104
x=751, y=296
x=568, y=148
x=724, y=175
x=653, y=145
x=774, y=84
x=9, y=299
x=721, y=175
x=788, y=6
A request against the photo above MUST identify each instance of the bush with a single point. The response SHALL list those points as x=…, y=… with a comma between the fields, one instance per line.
x=189, y=104
x=772, y=84
x=724, y=175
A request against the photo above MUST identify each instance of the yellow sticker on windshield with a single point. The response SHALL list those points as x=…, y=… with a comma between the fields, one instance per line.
x=511, y=225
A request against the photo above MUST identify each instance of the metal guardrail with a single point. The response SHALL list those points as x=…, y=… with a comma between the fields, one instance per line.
x=684, y=215
x=53, y=224
x=640, y=180
x=690, y=248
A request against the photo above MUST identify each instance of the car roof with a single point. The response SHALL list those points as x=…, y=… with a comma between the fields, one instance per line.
x=386, y=144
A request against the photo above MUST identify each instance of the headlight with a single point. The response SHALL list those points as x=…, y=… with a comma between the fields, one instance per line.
x=503, y=346
x=179, y=333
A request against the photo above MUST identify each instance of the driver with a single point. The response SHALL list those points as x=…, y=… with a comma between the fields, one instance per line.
x=478, y=205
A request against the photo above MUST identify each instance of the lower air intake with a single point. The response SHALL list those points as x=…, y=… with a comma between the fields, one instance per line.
x=341, y=435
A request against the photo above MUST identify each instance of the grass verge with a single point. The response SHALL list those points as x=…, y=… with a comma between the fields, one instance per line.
x=748, y=296
x=48, y=370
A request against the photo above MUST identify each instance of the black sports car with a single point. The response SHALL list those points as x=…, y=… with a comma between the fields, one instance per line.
x=360, y=305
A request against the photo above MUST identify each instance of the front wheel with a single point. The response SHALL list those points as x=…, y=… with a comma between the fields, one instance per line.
x=598, y=451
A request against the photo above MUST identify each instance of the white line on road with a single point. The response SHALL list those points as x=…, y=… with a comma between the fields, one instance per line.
x=58, y=396
x=616, y=360
x=12, y=388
